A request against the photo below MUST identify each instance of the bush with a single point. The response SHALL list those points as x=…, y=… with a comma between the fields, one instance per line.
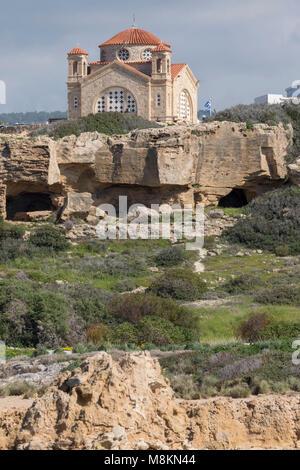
x=170, y=256
x=242, y=284
x=18, y=389
x=179, y=284
x=31, y=316
x=280, y=295
x=134, y=307
x=113, y=265
x=126, y=333
x=250, y=329
x=237, y=391
x=14, y=232
x=280, y=330
x=49, y=237
x=97, y=333
x=273, y=220
x=126, y=285
x=282, y=250
x=104, y=123
x=162, y=332
x=185, y=387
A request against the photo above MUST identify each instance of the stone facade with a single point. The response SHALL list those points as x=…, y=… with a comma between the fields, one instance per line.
x=135, y=74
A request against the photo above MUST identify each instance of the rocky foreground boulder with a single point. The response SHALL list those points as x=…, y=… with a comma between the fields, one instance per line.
x=127, y=404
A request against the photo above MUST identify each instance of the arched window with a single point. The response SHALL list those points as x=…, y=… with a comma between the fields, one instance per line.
x=158, y=99
x=103, y=56
x=75, y=68
x=75, y=102
x=168, y=66
x=158, y=65
x=116, y=100
x=184, y=106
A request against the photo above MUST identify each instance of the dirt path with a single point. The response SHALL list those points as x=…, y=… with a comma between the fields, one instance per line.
x=10, y=403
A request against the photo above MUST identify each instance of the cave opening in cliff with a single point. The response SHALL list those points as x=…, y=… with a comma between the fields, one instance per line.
x=236, y=198
x=27, y=202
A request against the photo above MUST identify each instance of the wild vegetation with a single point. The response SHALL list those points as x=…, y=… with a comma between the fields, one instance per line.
x=273, y=223
x=105, y=123
x=230, y=328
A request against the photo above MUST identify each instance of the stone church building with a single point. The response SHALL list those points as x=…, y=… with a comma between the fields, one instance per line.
x=136, y=75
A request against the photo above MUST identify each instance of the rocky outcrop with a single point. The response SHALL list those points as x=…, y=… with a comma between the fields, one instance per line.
x=127, y=404
x=294, y=172
x=175, y=164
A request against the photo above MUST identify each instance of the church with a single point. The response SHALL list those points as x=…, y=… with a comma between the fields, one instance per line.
x=135, y=74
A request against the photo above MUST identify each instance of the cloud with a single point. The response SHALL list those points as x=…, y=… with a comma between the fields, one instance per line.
x=238, y=49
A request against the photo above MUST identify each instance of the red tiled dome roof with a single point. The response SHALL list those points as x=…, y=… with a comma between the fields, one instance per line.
x=78, y=51
x=133, y=36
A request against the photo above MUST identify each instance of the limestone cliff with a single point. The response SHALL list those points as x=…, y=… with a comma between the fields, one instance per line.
x=127, y=404
x=175, y=164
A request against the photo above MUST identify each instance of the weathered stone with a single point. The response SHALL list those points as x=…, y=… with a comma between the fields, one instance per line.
x=127, y=412
x=38, y=216
x=78, y=205
x=294, y=172
x=171, y=165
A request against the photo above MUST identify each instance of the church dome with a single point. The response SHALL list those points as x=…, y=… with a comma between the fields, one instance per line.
x=133, y=36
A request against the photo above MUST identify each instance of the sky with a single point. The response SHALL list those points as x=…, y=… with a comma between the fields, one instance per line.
x=238, y=49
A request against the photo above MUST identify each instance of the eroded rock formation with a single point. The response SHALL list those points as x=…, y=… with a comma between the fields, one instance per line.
x=175, y=164
x=127, y=404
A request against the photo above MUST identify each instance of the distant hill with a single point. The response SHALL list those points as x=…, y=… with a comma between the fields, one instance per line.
x=30, y=117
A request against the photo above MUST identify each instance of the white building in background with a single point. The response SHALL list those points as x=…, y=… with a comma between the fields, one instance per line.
x=270, y=99
x=292, y=92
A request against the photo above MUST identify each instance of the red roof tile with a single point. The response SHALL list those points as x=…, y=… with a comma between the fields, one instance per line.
x=175, y=69
x=133, y=36
x=162, y=48
x=77, y=51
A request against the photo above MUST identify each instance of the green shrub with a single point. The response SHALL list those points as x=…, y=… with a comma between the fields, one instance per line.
x=40, y=351
x=242, y=284
x=282, y=250
x=170, y=256
x=31, y=316
x=97, y=333
x=280, y=330
x=134, y=307
x=179, y=284
x=14, y=232
x=104, y=123
x=161, y=332
x=185, y=387
x=49, y=237
x=250, y=329
x=273, y=220
x=280, y=295
x=237, y=391
x=210, y=242
x=18, y=389
x=126, y=333
x=126, y=285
